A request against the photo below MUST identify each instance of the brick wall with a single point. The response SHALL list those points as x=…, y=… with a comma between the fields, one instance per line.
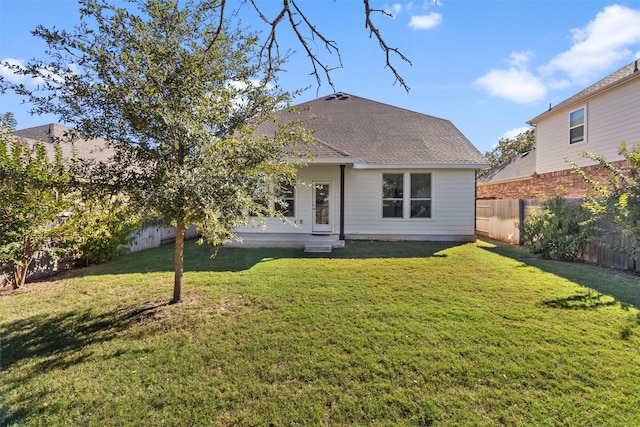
x=547, y=184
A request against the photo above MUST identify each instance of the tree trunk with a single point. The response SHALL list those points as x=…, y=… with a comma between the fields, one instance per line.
x=20, y=273
x=17, y=279
x=178, y=262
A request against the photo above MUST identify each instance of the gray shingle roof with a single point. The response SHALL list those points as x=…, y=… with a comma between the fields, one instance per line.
x=627, y=72
x=92, y=149
x=519, y=167
x=348, y=128
x=375, y=133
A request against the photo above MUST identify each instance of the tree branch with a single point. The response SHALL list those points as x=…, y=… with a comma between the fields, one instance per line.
x=373, y=30
x=306, y=32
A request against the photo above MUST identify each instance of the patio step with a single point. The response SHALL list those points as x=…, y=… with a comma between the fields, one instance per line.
x=318, y=247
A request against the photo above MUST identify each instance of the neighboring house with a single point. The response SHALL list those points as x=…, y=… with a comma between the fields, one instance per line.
x=597, y=119
x=92, y=149
x=379, y=172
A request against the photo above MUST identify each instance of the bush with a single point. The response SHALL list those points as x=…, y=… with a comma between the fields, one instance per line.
x=100, y=230
x=561, y=231
x=618, y=201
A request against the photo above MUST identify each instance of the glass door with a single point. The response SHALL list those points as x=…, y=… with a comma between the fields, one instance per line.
x=321, y=207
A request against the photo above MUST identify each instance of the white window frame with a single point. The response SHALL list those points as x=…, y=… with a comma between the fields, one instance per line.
x=406, y=196
x=417, y=199
x=291, y=202
x=393, y=199
x=583, y=125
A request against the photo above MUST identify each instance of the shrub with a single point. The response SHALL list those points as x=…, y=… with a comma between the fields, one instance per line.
x=619, y=200
x=561, y=231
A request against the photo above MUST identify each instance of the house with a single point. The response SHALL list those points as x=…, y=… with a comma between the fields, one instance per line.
x=597, y=119
x=378, y=172
x=93, y=149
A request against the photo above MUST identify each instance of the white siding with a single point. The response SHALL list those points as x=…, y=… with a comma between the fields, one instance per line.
x=302, y=221
x=613, y=117
x=453, y=205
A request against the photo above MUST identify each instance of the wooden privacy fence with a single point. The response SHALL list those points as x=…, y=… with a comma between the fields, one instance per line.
x=156, y=234
x=501, y=219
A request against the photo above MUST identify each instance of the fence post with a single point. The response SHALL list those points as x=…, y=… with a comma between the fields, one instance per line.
x=520, y=219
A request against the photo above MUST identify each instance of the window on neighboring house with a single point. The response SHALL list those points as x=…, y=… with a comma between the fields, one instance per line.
x=410, y=189
x=392, y=195
x=576, y=126
x=286, y=195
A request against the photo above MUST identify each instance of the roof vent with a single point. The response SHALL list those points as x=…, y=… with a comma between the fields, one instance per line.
x=338, y=95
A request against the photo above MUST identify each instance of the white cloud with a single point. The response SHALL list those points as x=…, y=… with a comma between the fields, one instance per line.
x=510, y=134
x=597, y=48
x=394, y=9
x=520, y=59
x=513, y=85
x=8, y=73
x=425, y=22
x=602, y=44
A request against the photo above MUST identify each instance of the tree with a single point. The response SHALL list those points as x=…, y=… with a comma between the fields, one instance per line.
x=177, y=95
x=617, y=201
x=508, y=148
x=35, y=191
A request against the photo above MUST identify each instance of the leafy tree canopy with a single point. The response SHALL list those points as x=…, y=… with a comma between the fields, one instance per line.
x=618, y=200
x=508, y=148
x=177, y=94
x=34, y=192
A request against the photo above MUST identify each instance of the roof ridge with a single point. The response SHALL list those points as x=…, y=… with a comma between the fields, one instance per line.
x=349, y=95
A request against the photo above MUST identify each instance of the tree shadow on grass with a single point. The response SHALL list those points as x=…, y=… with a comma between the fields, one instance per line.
x=44, y=343
x=61, y=340
x=599, y=281
x=234, y=259
x=584, y=301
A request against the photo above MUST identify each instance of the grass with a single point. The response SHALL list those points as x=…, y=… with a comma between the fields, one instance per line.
x=375, y=334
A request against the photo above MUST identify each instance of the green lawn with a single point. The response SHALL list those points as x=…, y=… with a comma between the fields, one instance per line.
x=374, y=334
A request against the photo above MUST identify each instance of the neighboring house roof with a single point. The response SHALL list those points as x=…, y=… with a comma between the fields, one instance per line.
x=87, y=150
x=356, y=130
x=520, y=167
x=628, y=72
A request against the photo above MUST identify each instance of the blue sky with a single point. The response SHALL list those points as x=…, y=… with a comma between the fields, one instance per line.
x=488, y=66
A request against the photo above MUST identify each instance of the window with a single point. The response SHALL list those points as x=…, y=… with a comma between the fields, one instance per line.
x=420, y=195
x=576, y=126
x=410, y=190
x=286, y=204
x=261, y=191
x=392, y=195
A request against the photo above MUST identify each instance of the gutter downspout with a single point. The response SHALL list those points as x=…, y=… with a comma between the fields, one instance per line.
x=341, y=236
